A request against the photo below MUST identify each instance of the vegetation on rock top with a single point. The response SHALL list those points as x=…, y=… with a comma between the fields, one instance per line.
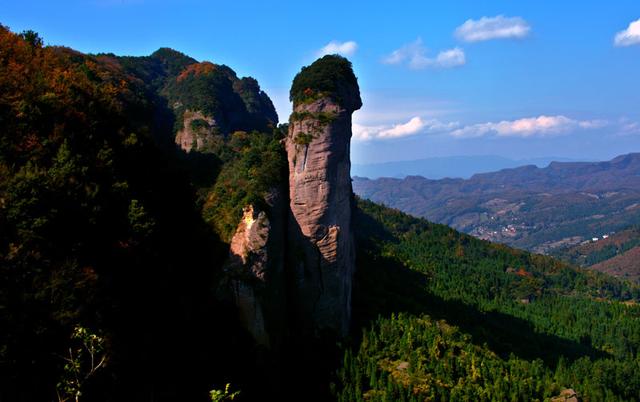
x=331, y=76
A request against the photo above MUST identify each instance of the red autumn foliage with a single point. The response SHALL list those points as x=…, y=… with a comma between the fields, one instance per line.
x=197, y=69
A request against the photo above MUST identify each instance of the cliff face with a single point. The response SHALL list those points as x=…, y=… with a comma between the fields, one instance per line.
x=321, y=251
x=313, y=276
x=198, y=132
x=255, y=271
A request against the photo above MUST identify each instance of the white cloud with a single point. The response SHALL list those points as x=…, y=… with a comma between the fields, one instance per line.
x=415, y=55
x=631, y=128
x=540, y=126
x=450, y=58
x=628, y=127
x=365, y=133
x=416, y=125
x=335, y=47
x=402, y=130
x=630, y=36
x=486, y=28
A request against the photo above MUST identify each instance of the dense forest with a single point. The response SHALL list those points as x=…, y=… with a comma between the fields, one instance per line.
x=107, y=249
x=112, y=243
x=450, y=317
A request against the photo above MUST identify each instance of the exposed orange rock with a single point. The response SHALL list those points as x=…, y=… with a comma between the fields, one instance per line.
x=255, y=271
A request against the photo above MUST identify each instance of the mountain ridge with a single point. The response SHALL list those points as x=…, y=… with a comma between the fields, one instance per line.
x=446, y=166
x=521, y=198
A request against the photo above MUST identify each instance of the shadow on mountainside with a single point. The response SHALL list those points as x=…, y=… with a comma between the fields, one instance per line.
x=383, y=285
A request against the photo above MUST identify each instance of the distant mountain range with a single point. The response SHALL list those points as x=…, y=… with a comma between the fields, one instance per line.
x=539, y=209
x=447, y=166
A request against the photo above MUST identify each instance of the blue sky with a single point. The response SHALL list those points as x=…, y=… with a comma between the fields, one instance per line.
x=513, y=78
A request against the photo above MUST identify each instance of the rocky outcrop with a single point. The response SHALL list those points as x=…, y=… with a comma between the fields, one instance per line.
x=567, y=395
x=254, y=271
x=236, y=104
x=320, y=236
x=310, y=282
x=198, y=132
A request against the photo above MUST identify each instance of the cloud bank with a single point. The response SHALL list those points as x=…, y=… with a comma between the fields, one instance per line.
x=416, y=125
x=528, y=127
x=414, y=55
x=342, y=48
x=540, y=126
x=487, y=28
x=630, y=36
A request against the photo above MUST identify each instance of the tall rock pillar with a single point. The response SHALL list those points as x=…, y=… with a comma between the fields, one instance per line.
x=321, y=248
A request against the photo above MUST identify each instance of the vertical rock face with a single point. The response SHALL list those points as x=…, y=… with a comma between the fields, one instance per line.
x=255, y=271
x=197, y=133
x=300, y=260
x=321, y=248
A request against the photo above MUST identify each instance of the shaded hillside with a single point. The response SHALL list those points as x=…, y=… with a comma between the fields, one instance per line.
x=102, y=237
x=214, y=90
x=449, y=316
x=527, y=207
x=617, y=254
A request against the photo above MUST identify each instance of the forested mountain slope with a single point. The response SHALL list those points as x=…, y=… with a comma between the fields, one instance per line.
x=464, y=319
x=102, y=236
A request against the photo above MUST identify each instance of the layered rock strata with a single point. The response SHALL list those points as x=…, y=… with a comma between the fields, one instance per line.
x=291, y=270
x=321, y=247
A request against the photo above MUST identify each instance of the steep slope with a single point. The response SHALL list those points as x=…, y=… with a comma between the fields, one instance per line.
x=102, y=240
x=449, y=316
x=208, y=100
x=527, y=207
x=625, y=265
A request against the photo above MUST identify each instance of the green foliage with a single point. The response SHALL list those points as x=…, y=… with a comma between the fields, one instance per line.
x=571, y=333
x=141, y=223
x=331, y=76
x=32, y=38
x=323, y=118
x=254, y=164
x=218, y=395
x=303, y=139
x=216, y=91
x=198, y=124
x=415, y=358
x=85, y=358
x=99, y=228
